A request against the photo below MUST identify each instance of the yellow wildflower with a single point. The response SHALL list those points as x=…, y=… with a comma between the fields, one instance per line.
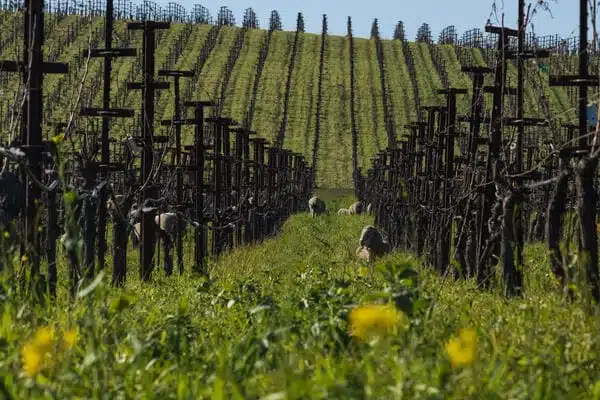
x=40, y=352
x=462, y=350
x=44, y=337
x=6, y=235
x=36, y=353
x=24, y=259
x=58, y=138
x=69, y=338
x=32, y=358
x=374, y=319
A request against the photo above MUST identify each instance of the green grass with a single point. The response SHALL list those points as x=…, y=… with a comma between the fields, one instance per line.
x=427, y=77
x=239, y=90
x=399, y=85
x=372, y=136
x=210, y=78
x=272, y=324
x=303, y=98
x=457, y=79
x=335, y=148
x=271, y=90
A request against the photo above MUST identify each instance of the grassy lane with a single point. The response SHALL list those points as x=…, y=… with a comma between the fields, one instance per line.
x=300, y=131
x=335, y=150
x=457, y=79
x=531, y=100
x=165, y=98
x=58, y=82
x=273, y=323
x=239, y=90
x=566, y=110
x=209, y=81
x=186, y=61
x=10, y=53
x=12, y=24
x=553, y=94
x=427, y=77
x=271, y=90
x=120, y=96
x=369, y=107
x=399, y=84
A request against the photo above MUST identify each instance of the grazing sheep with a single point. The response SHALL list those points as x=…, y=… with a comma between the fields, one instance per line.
x=316, y=206
x=356, y=208
x=364, y=254
x=372, y=239
x=344, y=211
x=170, y=223
x=136, y=234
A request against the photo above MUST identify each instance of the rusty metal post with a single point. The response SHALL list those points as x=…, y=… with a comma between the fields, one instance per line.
x=149, y=191
x=106, y=113
x=32, y=69
x=105, y=151
x=450, y=133
x=200, y=251
x=176, y=75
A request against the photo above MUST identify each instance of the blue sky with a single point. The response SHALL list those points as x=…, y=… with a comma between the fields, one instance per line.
x=464, y=14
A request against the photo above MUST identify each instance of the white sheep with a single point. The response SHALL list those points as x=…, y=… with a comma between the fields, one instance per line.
x=316, y=206
x=136, y=234
x=356, y=208
x=170, y=223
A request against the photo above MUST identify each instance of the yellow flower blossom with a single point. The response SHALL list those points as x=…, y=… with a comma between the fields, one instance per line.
x=69, y=338
x=58, y=138
x=40, y=352
x=24, y=259
x=374, y=320
x=36, y=353
x=462, y=350
x=44, y=338
x=32, y=358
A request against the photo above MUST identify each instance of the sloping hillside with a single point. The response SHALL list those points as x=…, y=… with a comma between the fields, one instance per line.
x=212, y=53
